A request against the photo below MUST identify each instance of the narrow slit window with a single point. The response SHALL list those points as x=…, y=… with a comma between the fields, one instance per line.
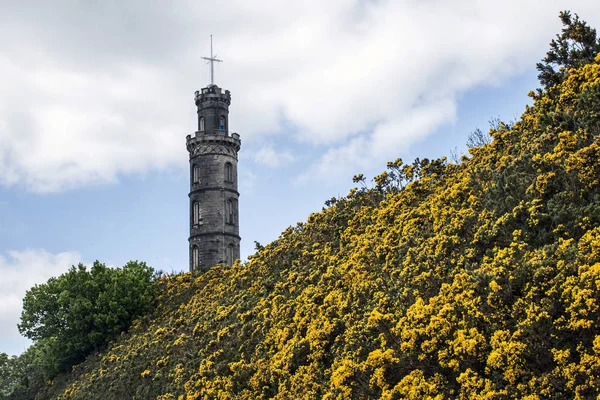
x=230, y=255
x=196, y=174
x=222, y=123
x=195, y=258
x=202, y=124
x=228, y=172
x=235, y=211
x=230, y=212
x=197, y=214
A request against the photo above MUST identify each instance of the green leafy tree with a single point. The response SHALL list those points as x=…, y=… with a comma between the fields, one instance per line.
x=81, y=310
x=5, y=372
x=575, y=46
x=21, y=376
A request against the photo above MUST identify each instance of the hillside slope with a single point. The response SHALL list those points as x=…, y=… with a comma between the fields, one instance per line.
x=477, y=279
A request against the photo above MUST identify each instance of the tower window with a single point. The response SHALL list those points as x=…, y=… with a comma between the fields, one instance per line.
x=230, y=256
x=196, y=174
x=228, y=172
x=201, y=124
x=222, y=123
x=235, y=211
x=230, y=211
x=197, y=213
x=195, y=258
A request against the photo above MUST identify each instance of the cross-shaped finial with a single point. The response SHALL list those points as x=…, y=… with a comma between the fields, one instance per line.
x=212, y=60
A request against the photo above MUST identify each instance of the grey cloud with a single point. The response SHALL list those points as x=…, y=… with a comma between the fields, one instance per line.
x=96, y=34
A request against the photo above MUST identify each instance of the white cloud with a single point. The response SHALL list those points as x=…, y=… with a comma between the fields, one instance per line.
x=268, y=155
x=387, y=139
x=93, y=92
x=21, y=270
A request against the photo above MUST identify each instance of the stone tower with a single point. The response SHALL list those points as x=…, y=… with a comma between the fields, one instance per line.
x=214, y=221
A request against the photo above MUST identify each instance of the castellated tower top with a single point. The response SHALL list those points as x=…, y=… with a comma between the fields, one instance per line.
x=212, y=93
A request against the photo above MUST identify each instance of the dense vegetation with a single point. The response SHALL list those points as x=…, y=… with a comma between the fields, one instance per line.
x=71, y=316
x=476, y=279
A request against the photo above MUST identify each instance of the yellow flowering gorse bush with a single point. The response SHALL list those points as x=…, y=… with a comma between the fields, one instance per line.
x=479, y=279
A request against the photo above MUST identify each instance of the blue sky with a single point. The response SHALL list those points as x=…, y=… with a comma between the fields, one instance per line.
x=97, y=102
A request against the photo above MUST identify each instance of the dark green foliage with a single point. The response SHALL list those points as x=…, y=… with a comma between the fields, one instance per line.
x=21, y=377
x=6, y=374
x=80, y=311
x=577, y=45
